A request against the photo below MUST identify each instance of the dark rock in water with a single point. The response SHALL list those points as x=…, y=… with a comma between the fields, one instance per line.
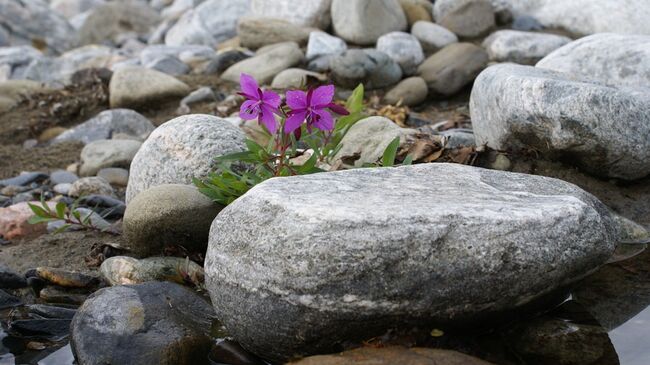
x=48, y=329
x=526, y=23
x=69, y=279
x=53, y=312
x=24, y=179
x=151, y=323
x=10, y=279
x=9, y=301
x=53, y=294
x=393, y=355
x=230, y=352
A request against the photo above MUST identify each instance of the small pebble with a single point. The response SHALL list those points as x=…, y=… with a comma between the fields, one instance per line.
x=114, y=175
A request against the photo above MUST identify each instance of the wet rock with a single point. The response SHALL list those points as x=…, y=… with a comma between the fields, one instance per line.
x=137, y=86
x=210, y=23
x=53, y=312
x=598, y=128
x=108, y=123
x=170, y=214
x=453, y=67
x=33, y=22
x=321, y=44
x=409, y=92
x=10, y=279
x=345, y=271
x=104, y=153
x=466, y=18
x=48, y=329
x=432, y=37
x=63, y=177
x=402, y=48
x=314, y=13
x=372, y=68
x=89, y=186
x=364, y=21
x=9, y=301
x=417, y=10
x=53, y=294
x=169, y=65
x=114, y=175
x=258, y=32
x=68, y=279
x=123, y=270
x=110, y=20
x=612, y=59
x=223, y=60
x=14, y=222
x=296, y=78
x=264, y=66
x=525, y=48
x=180, y=150
x=151, y=323
x=393, y=355
x=24, y=179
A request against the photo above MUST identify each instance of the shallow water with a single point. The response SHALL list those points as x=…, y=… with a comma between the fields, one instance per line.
x=605, y=322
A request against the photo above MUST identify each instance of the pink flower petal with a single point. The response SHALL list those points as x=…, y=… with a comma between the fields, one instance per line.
x=297, y=99
x=323, y=120
x=338, y=109
x=249, y=110
x=294, y=121
x=249, y=86
x=268, y=119
x=322, y=95
x=272, y=99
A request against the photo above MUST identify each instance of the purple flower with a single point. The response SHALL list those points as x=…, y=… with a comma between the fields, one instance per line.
x=260, y=104
x=312, y=106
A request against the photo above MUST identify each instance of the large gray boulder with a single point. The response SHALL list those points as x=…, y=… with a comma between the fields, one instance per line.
x=600, y=128
x=522, y=47
x=180, y=149
x=364, y=21
x=299, y=264
x=151, y=323
x=613, y=59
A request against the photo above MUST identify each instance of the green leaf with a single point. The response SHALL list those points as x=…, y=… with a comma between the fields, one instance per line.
x=36, y=219
x=62, y=228
x=408, y=160
x=60, y=210
x=388, y=159
x=77, y=215
x=39, y=211
x=354, y=104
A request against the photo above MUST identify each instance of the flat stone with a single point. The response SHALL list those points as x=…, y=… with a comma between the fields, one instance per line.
x=64, y=278
x=181, y=149
x=138, y=86
x=599, y=128
x=313, y=13
x=170, y=214
x=264, y=66
x=402, y=48
x=124, y=270
x=104, y=153
x=409, y=92
x=9, y=301
x=393, y=355
x=432, y=37
x=24, y=179
x=525, y=48
x=106, y=124
x=63, y=177
x=612, y=59
x=151, y=323
x=364, y=21
x=453, y=67
x=452, y=244
x=114, y=175
x=259, y=31
x=466, y=18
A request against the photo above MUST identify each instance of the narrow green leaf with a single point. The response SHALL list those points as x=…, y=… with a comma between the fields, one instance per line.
x=39, y=211
x=62, y=228
x=388, y=159
x=60, y=210
x=408, y=160
x=36, y=219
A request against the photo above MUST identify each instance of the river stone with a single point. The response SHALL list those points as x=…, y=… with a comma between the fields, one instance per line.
x=99, y=154
x=322, y=44
x=372, y=68
x=169, y=65
x=432, y=37
x=364, y=21
x=296, y=78
x=453, y=67
x=89, y=186
x=169, y=214
x=526, y=48
x=151, y=323
x=402, y=48
x=124, y=270
x=612, y=59
x=602, y=129
x=266, y=64
x=311, y=13
x=258, y=32
x=108, y=21
x=106, y=124
x=392, y=356
x=409, y=92
x=71, y=8
x=584, y=17
x=466, y=18
x=210, y=23
x=417, y=10
x=134, y=86
x=453, y=244
x=180, y=149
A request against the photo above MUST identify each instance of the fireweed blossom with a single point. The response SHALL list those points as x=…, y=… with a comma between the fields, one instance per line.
x=260, y=104
x=313, y=106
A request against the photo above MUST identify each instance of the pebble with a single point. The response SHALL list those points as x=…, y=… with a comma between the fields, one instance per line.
x=372, y=68
x=417, y=10
x=258, y=32
x=106, y=22
x=466, y=18
x=169, y=65
x=50, y=311
x=63, y=177
x=107, y=124
x=393, y=355
x=24, y=179
x=223, y=60
x=402, y=48
x=409, y=92
x=432, y=37
x=138, y=86
x=9, y=301
x=114, y=175
x=313, y=13
x=62, y=188
x=100, y=154
x=362, y=22
x=264, y=66
x=124, y=270
x=13, y=222
x=89, y=186
x=44, y=329
x=296, y=78
x=453, y=67
x=321, y=44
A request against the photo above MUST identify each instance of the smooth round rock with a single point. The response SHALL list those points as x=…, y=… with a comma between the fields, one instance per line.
x=266, y=65
x=432, y=37
x=372, y=68
x=124, y=270
x=466, y=18
x=408, y=92
x=364, y=21
x=89, y=186
x=107, y=153
x=135, y=86
x=525, y=48
x=404, y=49
x=453, y=67
x=322, y=44
x=107, y=124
